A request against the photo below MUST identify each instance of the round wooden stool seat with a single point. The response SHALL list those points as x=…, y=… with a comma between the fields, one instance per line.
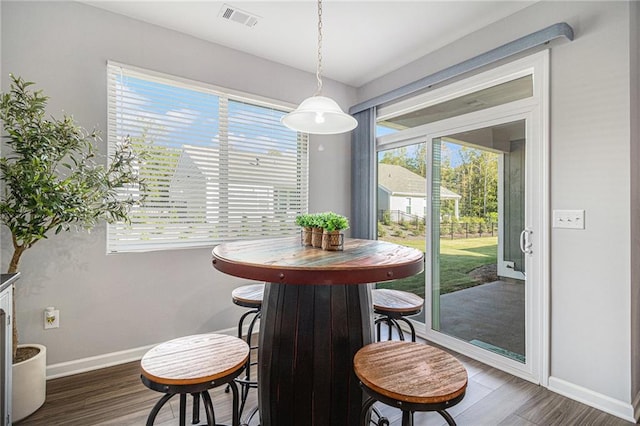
x=194, y=364
x=410, y=376
x=388, y=301
x=249, y=296
x=393, y=305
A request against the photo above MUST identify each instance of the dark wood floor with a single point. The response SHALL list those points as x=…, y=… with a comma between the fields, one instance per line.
x=115, y=396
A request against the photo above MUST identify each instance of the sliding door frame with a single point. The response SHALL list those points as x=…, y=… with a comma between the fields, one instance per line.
x=535, y=110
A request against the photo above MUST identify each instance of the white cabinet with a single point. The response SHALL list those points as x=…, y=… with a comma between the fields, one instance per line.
x=6, y=342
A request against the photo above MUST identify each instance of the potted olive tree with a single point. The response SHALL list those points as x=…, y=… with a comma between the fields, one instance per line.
x=53, y=180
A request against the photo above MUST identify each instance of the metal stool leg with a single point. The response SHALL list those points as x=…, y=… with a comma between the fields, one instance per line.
x=407, y=418
x=382, y=421
x=394, y=322
x=156, y=408
x=447, y=417
x=248, y=340
x=391, y=323
x=388, y=321
x=247, y=384
x=235, y=404
x=256, y=315
x=195, y=412
x=250, y=416
x=208, y=408
x=183, y=409
x=411, y=327
x=365, y=412
x=243, y=317
x=397, y=325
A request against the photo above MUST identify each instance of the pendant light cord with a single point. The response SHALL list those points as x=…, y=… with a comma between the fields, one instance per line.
x=319, y=69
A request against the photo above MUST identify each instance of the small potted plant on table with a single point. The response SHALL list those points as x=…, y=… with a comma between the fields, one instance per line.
x=317, y=226
x=305, y=221
x=332, y=238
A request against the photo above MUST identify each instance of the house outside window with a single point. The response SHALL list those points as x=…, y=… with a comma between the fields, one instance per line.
x=218, y=165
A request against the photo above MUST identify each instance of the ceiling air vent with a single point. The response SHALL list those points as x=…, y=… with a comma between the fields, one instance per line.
x=234, y=14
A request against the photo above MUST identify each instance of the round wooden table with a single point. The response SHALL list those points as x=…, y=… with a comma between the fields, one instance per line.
x=315, y=317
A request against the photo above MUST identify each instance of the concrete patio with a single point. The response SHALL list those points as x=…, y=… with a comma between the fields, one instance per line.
x=490, y=315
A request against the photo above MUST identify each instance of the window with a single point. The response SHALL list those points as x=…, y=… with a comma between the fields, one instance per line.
x=217, y=165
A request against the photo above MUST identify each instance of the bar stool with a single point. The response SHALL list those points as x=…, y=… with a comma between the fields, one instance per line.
x=248, y=296
x=409, y=376
x=193, y=365
x=392, y=306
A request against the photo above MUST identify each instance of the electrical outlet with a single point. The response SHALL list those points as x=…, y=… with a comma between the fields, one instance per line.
x=51, y=318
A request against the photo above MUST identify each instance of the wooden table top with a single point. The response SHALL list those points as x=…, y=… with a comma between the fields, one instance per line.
x=286, y=261
x=194, y=359
x=410, y=372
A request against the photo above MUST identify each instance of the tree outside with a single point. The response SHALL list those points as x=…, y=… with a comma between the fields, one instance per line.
x=468, y=244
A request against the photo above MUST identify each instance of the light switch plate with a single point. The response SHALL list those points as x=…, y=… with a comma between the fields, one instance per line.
x=570, y=219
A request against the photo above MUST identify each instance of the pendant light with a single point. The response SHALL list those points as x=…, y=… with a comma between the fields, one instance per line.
x=319, y=114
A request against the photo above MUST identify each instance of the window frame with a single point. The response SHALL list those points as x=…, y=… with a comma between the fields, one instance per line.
x=298, y=144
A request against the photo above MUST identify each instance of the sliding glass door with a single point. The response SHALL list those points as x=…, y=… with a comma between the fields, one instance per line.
x=473, y=299
x=402, y=207
x=461, y=174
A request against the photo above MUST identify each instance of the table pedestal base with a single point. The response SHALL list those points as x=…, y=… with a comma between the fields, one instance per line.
x=309, y=335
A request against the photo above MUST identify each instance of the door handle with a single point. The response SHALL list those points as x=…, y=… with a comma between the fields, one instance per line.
x=525, y=241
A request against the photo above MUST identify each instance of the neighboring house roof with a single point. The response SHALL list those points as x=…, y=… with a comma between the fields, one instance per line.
x=400, y=181
x=202, y=163
x=446, y=194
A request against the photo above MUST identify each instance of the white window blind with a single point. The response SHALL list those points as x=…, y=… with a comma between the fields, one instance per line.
x=217, y=166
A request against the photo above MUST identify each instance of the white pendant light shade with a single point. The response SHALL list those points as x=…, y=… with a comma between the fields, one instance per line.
x=319, y=115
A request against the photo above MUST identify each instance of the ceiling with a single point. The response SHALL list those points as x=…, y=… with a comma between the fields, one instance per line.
x=362, y=40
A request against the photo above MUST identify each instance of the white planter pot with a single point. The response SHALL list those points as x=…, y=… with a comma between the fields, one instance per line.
x=29, y=384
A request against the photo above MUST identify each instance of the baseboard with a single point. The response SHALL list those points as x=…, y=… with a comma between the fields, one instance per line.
x=618, y=408
x=83, y=365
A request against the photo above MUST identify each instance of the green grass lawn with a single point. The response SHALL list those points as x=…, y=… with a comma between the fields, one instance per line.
x=457, y=259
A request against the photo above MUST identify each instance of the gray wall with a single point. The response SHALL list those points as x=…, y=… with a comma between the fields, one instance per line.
x=590, y=146
x=111, y=303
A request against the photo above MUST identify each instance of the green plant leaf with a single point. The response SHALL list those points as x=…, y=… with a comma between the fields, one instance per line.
x=51, y=178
